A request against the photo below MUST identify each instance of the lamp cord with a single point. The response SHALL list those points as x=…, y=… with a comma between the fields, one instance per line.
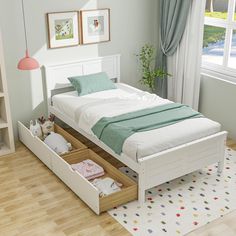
x=23, y=12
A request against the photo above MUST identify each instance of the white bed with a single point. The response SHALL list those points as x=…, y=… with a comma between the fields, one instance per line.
x=157, y=156
x=87, y=110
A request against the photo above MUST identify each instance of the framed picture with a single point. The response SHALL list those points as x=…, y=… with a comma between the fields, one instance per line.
x=63, y=29
x=95, y=26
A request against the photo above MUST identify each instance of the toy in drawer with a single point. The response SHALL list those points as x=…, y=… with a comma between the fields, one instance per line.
x=40, y=149
x=75, y=143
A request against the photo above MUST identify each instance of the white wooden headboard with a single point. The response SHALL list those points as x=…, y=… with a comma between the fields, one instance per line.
x=56, y=75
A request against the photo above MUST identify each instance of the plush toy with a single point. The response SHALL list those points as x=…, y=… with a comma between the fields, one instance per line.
x=57, y=143
x=35, y=129
x=47, y=125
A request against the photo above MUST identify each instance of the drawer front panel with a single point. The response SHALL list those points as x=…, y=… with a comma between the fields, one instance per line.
x=60, y=165
x=38, y=147
x=78, y=184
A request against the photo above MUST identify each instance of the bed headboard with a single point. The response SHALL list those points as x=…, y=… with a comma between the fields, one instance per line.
x=56, y=75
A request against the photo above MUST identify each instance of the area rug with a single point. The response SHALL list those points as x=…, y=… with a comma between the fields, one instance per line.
x=184, y=204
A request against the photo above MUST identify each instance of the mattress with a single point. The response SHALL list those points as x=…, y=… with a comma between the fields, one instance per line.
x=87, y=110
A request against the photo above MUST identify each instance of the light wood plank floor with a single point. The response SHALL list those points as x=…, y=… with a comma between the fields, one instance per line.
x=34, y=202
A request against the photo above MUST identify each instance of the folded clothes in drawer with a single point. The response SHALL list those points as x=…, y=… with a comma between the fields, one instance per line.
x=89, y=192
x=107, y=186
x=89, y=169
x=61, y=166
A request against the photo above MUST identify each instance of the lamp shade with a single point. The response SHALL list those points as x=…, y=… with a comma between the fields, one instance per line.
x=28, y=63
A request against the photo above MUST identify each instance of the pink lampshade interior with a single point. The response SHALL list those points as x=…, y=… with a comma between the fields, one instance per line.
x=28, y=63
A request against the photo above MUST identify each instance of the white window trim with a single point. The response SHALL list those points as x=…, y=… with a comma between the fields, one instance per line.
x=229, y=24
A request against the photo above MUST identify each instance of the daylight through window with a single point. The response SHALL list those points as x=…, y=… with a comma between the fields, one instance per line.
x=219, y=41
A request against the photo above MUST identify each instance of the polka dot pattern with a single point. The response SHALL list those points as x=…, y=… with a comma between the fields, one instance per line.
x=182, y=205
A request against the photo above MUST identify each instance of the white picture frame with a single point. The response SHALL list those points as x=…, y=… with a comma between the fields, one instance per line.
x=63, y=29
x=95, y=26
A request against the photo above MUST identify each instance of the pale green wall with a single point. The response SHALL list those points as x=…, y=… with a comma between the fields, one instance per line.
x=217, y=101
x=132, y=24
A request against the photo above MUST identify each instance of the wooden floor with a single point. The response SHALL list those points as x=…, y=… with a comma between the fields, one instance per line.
x=34, y=202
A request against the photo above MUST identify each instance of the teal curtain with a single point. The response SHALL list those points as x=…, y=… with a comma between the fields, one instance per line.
x=172, y=21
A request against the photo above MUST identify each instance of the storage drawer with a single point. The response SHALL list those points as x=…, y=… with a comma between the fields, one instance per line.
x=85, y=190
x=40, y=149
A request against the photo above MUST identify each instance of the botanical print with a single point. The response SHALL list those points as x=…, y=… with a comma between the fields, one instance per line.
x=64, y=29
x=96, y=25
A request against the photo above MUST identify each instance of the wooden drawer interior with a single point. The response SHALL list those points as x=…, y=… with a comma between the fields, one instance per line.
x=83, y=188
x=76, y=144
x=129, y=187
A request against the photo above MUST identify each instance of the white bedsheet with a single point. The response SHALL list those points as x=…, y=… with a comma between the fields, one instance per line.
x=87, y=110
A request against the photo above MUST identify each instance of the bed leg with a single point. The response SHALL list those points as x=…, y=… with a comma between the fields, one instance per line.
x=220, y=166
x=141, y=196
x=141, y=187
x=222, y=159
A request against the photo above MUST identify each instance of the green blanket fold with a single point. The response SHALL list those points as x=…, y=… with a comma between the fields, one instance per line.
x=113, y=131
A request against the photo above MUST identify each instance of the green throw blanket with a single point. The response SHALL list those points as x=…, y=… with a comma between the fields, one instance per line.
x=113, y=131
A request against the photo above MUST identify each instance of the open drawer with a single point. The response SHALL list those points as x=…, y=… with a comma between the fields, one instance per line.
x=85, y=189
x=40, y=149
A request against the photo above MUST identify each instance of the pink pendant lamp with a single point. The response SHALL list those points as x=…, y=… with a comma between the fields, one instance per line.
x=27, y=63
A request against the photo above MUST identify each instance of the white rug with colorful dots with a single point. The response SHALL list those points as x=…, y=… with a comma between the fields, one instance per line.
x=184, y=204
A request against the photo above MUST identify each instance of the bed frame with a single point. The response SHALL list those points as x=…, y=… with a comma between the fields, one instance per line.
x=155, y=169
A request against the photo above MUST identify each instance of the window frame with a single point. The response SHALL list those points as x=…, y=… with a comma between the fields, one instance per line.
x=229, y=24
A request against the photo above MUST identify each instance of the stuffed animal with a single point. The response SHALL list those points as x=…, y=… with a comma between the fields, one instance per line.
x=47, y=125
x=57, y=143
x=35, y=129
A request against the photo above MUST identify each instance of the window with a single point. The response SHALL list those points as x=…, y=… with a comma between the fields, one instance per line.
x=219, y=40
